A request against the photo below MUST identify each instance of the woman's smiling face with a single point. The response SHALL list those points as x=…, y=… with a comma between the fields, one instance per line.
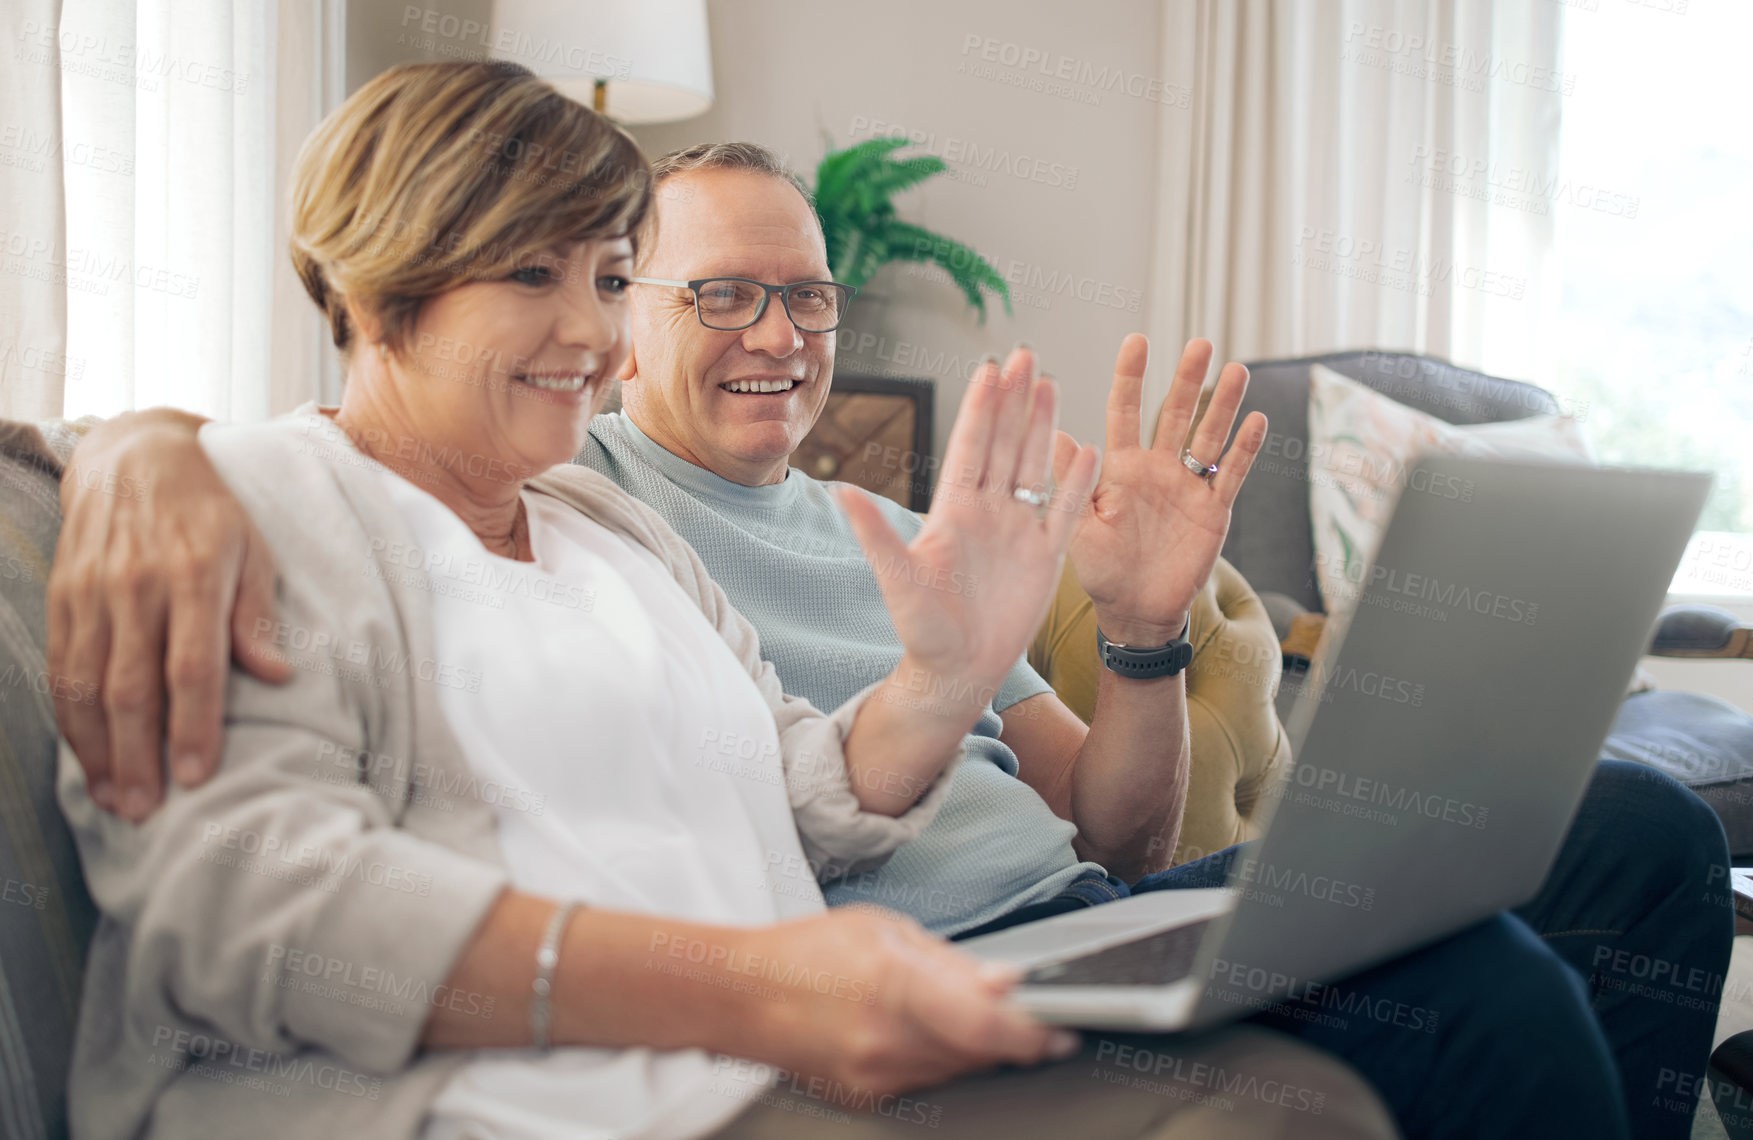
x=509, y=372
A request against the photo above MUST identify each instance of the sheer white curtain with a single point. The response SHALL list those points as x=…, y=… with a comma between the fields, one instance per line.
x=1360, y=174
x=34, y=362
x=169, y=268
x=148, y=220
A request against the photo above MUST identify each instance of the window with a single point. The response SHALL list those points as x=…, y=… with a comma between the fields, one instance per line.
x=1654, y=235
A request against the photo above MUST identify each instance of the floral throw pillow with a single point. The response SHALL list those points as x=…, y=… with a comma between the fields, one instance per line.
x=1362, y=446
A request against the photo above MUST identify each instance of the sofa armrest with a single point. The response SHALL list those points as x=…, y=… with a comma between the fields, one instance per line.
x=1238, y=743
x=1299, y=645
x=1683, y=631
x=1701, y=631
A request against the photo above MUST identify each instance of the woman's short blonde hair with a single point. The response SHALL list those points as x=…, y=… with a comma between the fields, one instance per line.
x=435, y=174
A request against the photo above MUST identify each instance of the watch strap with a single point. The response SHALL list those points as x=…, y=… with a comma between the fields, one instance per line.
x=1146, y=662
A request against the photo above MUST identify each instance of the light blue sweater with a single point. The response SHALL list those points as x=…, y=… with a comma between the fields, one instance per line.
x=788, y=561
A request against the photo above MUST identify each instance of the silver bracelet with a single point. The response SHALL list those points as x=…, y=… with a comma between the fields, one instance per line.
x=547, y=958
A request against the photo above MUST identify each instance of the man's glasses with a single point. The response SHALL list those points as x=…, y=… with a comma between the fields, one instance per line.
x=729, y=304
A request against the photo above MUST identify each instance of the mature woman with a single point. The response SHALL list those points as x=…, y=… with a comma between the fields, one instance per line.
x=531, y=783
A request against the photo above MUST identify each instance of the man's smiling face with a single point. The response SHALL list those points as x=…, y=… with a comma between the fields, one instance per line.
x=696, y=391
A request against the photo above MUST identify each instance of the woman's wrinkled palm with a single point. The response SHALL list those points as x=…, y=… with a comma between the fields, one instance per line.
x=966, y=594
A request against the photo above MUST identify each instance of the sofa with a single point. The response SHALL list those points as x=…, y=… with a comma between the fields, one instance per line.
x=1701, y=741
x=1239, y=744
x=1263, y=591
x=47, y=918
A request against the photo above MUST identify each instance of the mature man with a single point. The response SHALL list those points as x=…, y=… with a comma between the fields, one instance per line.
x=1045, y=814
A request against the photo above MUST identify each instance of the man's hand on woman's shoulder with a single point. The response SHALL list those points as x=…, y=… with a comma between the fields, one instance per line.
x=159, y=578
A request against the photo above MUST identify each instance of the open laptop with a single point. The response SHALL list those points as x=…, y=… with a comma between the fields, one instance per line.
x=1443, y=742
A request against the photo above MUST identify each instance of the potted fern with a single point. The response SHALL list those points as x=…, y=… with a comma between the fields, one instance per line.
x=854, y=188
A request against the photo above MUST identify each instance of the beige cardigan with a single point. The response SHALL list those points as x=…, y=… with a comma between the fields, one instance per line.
x=272, y=941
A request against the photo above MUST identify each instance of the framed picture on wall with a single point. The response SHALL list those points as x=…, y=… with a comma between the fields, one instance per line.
x=875, y=433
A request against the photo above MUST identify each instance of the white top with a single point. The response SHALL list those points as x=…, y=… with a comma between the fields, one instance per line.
x=641, y=772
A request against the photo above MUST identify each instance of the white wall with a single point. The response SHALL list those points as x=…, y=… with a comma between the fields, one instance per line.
x=1055, y=187
x=383, y=33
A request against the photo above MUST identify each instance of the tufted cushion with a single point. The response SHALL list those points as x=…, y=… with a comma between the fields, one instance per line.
x=1238, y=743
x=1270, y=539
x=46, y=918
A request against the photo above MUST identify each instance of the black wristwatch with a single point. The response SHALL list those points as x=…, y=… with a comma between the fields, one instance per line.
x=1143, y=664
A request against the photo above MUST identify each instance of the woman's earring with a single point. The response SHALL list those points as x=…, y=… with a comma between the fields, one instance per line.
x=383, y=351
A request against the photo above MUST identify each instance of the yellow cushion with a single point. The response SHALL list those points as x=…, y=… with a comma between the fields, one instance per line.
x=1238, y=744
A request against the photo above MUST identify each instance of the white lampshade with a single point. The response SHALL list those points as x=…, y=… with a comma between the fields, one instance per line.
x=654, y=55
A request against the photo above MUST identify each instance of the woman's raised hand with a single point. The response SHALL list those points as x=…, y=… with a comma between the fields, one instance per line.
x=966, y=594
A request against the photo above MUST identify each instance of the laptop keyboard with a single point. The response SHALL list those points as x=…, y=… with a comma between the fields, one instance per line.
x=1154, y=960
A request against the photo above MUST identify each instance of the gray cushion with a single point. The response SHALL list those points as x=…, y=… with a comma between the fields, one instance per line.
x=1270, y=541
x=1704, y=743
x=46, y=917
x=1694, y=628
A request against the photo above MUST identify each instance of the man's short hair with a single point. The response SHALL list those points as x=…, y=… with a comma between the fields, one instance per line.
x=718, y=156
x=728, y=156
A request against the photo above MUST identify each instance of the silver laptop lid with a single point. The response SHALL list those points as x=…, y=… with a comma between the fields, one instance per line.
x=1451, y=725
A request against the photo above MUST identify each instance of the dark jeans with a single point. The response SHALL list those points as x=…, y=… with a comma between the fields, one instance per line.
x=1587, y=1012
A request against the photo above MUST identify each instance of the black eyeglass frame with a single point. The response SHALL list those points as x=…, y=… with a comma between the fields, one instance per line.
x=767, y=292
